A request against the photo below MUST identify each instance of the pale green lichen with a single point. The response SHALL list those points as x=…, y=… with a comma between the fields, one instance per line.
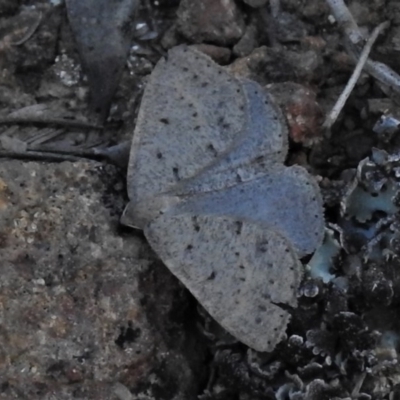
x=321, y=264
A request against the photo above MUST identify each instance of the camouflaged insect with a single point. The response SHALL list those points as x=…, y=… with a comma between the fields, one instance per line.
x=208, y=186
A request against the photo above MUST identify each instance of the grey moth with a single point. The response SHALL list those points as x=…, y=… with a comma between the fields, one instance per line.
x=208, y=185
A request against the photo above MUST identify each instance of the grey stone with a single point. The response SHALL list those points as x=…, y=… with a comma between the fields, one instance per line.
x=72, y=311
x=234, y=268
x=211, y=21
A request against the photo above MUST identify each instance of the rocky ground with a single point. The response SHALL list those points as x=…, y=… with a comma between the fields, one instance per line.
x=87, y=310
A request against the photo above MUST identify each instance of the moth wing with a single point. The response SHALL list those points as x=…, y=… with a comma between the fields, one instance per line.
x=286, y=198
x=266, y=134
x=263, y=144
x=240, y=271
x=192, y=111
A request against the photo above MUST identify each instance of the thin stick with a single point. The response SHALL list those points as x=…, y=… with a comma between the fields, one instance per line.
x=81, y=153
x=30, y=31
x=331, y=118
x=359, y=382
x=379, y=71
x=345, y=20
x=70, y=123
x=37, y=156
x=117, y=154
x=275, y=7
x=384, y=74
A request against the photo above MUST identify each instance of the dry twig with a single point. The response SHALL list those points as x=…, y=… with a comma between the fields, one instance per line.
x=117, y=154
x=345, y=20
x=70, y=123
x=331, y=118
x=378, y=70
x=31, y=31
x=38, y=156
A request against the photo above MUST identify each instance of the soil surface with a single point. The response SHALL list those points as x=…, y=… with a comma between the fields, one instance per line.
x=87, y=310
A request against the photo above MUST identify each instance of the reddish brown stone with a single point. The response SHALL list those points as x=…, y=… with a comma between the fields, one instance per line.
x=303, y=113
